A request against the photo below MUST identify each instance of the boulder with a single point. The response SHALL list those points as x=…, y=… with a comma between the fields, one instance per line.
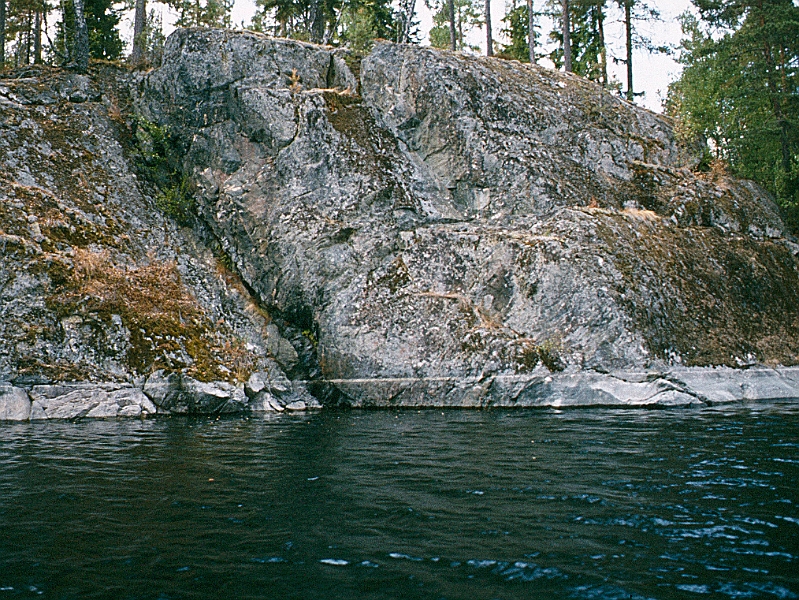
x=217, y=397
x=271, y=390
x=174, y=393
x=14, y=403
x=163, y=389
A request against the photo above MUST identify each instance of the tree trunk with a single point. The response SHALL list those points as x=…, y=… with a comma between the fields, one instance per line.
x=317, y=21
x=489, y=38
x=628, y=27
x=531, y=31
x=81, y=39
x=37, y=39
x=603, y=52
x=567, y=42
x=407, y=9
x=453, y=38
x=2, y=32
x=28, y=38
x=139, y=34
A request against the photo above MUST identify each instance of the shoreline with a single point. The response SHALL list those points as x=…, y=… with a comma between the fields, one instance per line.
x=679, y=387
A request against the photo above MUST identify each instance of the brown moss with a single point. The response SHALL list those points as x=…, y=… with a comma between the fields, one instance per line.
x=711, y=298
x=165, y=322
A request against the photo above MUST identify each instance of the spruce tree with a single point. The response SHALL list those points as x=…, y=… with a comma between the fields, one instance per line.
x=101, y=23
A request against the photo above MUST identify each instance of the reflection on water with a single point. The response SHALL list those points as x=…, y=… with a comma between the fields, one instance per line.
x=495, y=504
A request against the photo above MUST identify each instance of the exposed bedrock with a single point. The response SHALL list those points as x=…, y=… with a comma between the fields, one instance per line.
x=451, y=216
x=416, y=228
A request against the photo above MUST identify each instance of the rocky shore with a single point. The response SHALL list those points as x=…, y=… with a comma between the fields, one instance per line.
x=161, y=393
x=264, y=224
x=171, y=394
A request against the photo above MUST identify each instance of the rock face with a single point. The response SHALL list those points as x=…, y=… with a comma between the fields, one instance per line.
x=415, y=228
x=96, y=284
x=454, y=217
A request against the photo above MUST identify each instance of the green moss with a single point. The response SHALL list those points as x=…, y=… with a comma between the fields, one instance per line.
x=157, y=157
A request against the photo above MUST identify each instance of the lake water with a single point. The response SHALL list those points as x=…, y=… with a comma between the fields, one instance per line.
x=457, y=504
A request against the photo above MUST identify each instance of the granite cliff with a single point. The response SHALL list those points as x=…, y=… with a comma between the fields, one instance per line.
x=416, y=227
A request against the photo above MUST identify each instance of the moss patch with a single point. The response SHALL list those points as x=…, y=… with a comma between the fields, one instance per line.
x=168, y=328
x=704, y=296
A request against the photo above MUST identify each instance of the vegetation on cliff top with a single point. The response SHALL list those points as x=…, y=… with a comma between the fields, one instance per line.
x=740, y=90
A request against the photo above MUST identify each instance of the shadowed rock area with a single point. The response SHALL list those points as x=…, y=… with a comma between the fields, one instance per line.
x=442, y=229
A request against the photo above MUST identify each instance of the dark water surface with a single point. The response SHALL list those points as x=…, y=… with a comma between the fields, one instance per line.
x=460, y=504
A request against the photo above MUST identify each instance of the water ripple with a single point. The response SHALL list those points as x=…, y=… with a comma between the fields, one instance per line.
x=341, y=505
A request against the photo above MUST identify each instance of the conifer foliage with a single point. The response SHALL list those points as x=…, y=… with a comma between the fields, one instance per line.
x=740, y=89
